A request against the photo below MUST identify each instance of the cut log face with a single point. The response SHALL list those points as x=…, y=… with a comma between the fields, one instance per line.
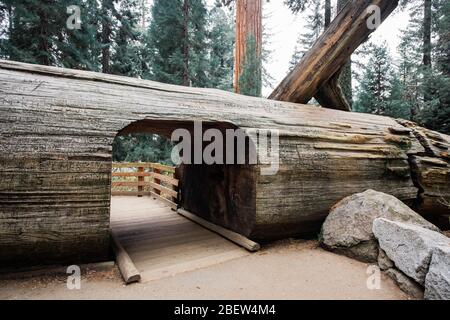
x=316, y=74
x=56, y=138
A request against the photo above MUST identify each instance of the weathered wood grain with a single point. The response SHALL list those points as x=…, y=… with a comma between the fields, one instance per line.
x=56, y=132
x=228, y=234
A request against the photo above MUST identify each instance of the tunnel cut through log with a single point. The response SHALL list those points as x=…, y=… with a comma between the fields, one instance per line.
x=57, y=128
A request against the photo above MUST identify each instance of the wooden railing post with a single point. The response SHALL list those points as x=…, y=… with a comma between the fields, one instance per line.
x=157, y=181
x=141, y=178
x=162, y=184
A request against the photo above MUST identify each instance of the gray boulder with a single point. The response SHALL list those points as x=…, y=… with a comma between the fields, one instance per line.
x=409, y=246
x=348, y=227
x=405, y=283
x=437, y=281
x=383, y=261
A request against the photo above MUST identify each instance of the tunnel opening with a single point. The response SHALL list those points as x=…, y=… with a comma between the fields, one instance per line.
x=150, y=183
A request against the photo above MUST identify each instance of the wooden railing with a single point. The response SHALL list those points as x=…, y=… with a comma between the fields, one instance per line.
x=145, y=179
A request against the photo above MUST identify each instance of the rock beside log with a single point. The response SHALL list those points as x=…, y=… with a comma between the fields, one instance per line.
x=405, y=283
x=383, y=261
x=437, y=281
x=348, y=227
x=409, y=246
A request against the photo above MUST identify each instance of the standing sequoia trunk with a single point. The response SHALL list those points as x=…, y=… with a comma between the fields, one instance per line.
x=248, y=27
x=106, y=36
x=317, y=74
x=427, y=47
x=327, y=13
x=427, y=34
x=186, y=81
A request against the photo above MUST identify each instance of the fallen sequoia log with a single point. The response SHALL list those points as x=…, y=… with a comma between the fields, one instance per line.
x=317, y=73
x=57, y=128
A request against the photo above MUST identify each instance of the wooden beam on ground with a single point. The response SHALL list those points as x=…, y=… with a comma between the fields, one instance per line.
x=126, y=266
x=171, y=204
x=317, y=71
x=228, y=234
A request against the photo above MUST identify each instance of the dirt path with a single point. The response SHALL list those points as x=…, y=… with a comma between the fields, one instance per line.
x=286, y=270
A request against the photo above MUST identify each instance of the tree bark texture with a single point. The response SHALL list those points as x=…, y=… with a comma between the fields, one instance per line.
x=106, y=36
x=427, y=33
x=248, y=24
x=186, y=81
x=58, y=127
x=327, y=15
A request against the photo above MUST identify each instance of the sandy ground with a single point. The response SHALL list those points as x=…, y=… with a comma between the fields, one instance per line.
x=285, y=270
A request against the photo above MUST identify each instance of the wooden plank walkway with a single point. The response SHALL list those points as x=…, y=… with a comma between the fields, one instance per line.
x=162, y=243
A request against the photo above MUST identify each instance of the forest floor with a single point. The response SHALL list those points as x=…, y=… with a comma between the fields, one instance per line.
x=290, y=269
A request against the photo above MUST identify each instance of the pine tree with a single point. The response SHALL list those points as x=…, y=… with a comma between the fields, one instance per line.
x=380, y=90
x=314, y=29
x=168, y=42
x=126, y=56
x=80, y=48
x=410, y=68
x=423, y=66
x=221, y=42
x=33, y=31
x=142, y=147
x=37, y=33
x=436, y=112
x=197, y=43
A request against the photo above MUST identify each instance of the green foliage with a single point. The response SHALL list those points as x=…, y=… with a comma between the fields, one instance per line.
x=37, y=33
x=380, y=90
x=414, y=90
x=221, y=42
x=314, y=29
x=167, y=41
x=126, y=57
x=297, y=5
x=142, y=147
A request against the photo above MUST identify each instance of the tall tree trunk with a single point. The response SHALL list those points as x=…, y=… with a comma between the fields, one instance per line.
x=44, y=47
x=427, y=34
x=427, y=48
x=327, y=13
x=248, y=24
x=10, y=20
x=186, y=80
x=106, y=36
